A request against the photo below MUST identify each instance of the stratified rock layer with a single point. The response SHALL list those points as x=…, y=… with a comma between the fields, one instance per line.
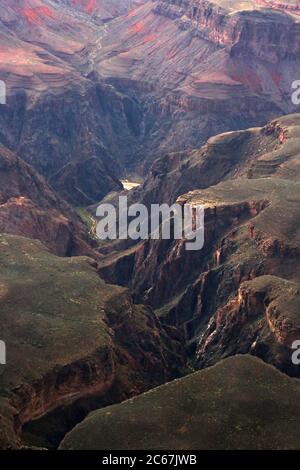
x=29, y=207
x=212, y=66
x=58, y=115
x=109, y=99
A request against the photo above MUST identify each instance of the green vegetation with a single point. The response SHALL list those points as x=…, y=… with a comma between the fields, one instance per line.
x=88, y=220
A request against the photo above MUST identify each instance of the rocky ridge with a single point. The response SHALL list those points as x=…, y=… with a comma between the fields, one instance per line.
x=241, y=403
x=73, y=343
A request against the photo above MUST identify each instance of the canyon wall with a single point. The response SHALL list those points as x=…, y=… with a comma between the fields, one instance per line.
x=251, y=221
x=269, y=36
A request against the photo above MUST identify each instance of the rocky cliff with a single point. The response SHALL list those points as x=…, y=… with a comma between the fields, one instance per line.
x=268, y=35
x=218, y=66
x=262, y=319
x=29, y=207
x=59, y=116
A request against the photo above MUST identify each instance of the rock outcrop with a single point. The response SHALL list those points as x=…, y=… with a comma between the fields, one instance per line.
x=163, y=77
x=213, y=66
x=58, y=115
x=243, y=241
x=272, y=150
x=241, y=403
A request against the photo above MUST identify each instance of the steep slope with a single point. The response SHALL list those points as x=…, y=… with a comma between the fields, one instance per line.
x=201, y=68
x=54, y=32
x=251, y=229
x=72, y=341
x=58, y=117
x=102, y=10
x=240, y=403
x=163, y=76
x=262, y=319
x=28, y=207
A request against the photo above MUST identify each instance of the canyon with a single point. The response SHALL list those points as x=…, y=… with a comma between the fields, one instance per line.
x=250, y=192
x=83, y=100
x=192, y=99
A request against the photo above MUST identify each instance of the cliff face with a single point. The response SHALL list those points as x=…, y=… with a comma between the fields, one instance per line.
x=242, y=242
x=261, y=319
x=83, y=100
x=59, y=116
x=218, y=66
x=267, y=35
x=74, y=340
x=256, y=153
x=270, y=151
x=30, y=208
